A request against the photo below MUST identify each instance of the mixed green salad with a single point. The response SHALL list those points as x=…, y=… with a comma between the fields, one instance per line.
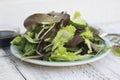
x=56, y=37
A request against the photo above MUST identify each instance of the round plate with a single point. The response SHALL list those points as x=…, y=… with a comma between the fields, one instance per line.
x=103, y=53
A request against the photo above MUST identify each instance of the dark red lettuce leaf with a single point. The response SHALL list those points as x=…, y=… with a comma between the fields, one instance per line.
x=65, y=20
x=76, y=40
x=37, y=18
x=46, y=19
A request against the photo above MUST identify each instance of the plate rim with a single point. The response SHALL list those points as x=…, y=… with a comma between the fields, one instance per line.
x=102, y=54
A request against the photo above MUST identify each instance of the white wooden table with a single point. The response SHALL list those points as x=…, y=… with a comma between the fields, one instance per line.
x=107, y=68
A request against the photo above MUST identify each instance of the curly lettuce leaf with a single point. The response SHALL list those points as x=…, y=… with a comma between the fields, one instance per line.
x=16, y=40
x=78, y=20
x=24, y=46
x=30, y=34
x=61, y=54
x=63, y=35
x=20, y=41
x=87, y=35
x=87, y=41
x=76, y=15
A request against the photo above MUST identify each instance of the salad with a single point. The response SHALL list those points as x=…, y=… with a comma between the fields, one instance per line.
x=56, y=37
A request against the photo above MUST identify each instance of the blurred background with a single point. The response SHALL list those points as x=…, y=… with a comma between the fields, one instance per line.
x=14, y=12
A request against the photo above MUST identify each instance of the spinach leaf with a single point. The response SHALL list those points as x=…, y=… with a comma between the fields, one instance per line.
x=29, y=49
x=20, y=41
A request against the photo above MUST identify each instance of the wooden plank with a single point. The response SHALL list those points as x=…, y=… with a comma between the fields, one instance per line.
x=8, y=71
x=2, y=53
x=35, y=72
x=105, y=69
x=109, y=66
x=92, y=71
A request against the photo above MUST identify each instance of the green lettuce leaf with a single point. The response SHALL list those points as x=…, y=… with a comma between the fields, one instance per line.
x=30, y=39
x=30, y=34
x=76, y=15
x=20, y=41
x=63, y=35
x=29, y=49
x=78, y=20
x=16, y=40
x=87, y=41
x=116, y=50
x=61, y=54
x=87, y=35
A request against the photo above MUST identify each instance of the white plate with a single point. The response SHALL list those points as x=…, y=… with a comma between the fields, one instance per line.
x=17, y=54
x=102, y=54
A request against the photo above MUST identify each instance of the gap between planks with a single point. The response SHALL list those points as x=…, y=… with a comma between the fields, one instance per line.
x=11, y=67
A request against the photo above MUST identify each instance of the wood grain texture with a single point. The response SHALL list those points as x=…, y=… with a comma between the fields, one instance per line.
x=8, y=70
x=108, y=68
x=104, y=69
x=2, y=53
